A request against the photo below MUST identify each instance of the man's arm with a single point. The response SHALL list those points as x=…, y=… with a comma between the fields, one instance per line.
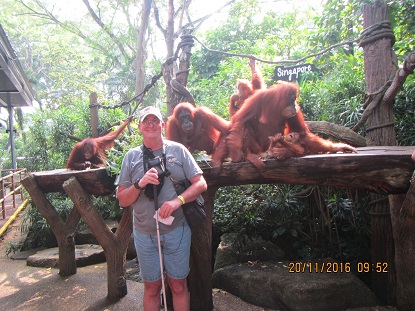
x=127, y=196
x=197, y=187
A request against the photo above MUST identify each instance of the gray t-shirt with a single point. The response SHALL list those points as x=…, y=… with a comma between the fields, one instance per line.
x=180, y=163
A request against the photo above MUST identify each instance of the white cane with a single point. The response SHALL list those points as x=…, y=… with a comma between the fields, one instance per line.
x=159, y=246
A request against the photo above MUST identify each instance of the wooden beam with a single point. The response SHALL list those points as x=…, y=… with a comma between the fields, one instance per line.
x=114, y=244
x=379, y=169
x=94, y=181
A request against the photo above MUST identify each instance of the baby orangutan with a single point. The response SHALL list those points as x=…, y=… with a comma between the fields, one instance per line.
x=295, y=144
x=283, y=146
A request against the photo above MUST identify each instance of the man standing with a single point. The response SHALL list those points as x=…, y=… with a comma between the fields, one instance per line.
x=135, y=182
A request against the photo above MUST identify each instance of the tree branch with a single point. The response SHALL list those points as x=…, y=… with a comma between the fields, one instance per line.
x=47, y=15
x=201, y=20
x=400, y=77
x=387, y=93
x=106, y=30
x=158, y=22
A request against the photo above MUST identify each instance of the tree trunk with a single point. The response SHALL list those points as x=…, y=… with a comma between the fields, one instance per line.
x=377, y=169
x=64, y=232
x=141, y=50
x=175, y=75
x=379, y=68
x=114, y=245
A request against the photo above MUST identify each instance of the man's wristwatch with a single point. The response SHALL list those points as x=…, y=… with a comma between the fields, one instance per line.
x=136, y=184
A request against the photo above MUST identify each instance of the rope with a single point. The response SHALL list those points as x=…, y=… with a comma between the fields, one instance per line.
x=280, y=61
x=139, y=97
x=370, y=34
x=381, y=200
x=186, y=40
x=375, y=32
x=372, y=128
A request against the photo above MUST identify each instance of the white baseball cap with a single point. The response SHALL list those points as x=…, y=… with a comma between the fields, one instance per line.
x=147, y=111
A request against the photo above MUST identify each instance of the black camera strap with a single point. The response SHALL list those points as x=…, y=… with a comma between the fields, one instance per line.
x=149, y=155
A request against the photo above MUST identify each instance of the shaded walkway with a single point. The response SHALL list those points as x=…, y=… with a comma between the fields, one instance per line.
x=25, y=288
x=31, y=288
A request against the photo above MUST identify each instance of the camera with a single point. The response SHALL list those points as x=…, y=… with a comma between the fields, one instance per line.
x=158, y=164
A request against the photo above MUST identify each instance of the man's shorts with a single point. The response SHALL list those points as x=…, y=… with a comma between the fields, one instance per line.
x=175, y=247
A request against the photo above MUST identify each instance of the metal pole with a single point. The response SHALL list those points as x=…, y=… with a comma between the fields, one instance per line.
x=11, y=133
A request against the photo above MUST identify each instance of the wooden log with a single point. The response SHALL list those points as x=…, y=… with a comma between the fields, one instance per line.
x=337, y=133
x=403, y=216
x=93, y=107
x=378, y=169
x=94, y=181
x=114, y=244
x=64, y=231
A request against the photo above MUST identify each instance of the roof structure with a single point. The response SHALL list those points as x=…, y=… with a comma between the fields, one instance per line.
x=15, y=89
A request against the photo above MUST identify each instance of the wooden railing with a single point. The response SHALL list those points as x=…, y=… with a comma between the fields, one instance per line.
x=11, y=183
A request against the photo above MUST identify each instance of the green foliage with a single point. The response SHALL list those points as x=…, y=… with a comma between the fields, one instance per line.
x=5, y=158
x=338, y=94
x=48, y=144
x=223, y=84
x=403, y=23
x=39, y=233
x=268, y=35
x=115, y=157
x=340, y=21
x=68, y=56
x=337, y=226
x=404, y=109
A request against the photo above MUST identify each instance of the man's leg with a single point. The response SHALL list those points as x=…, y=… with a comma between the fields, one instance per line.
x=180, y=292
x=151, y=301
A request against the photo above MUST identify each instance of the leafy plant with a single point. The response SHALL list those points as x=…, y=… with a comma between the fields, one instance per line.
x=336, y=95
x=307, y=223
x=404, y=109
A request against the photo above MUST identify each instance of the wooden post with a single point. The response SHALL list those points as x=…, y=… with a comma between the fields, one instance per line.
x=64, y=231
x=3, y=197
x=403, y=220
x=114, y=245
x=93, y=106
x=13, y=188
x=379, y=68
x=200, y=277
x=20, y=183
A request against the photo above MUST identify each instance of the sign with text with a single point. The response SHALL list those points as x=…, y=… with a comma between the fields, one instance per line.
x=293, y=73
